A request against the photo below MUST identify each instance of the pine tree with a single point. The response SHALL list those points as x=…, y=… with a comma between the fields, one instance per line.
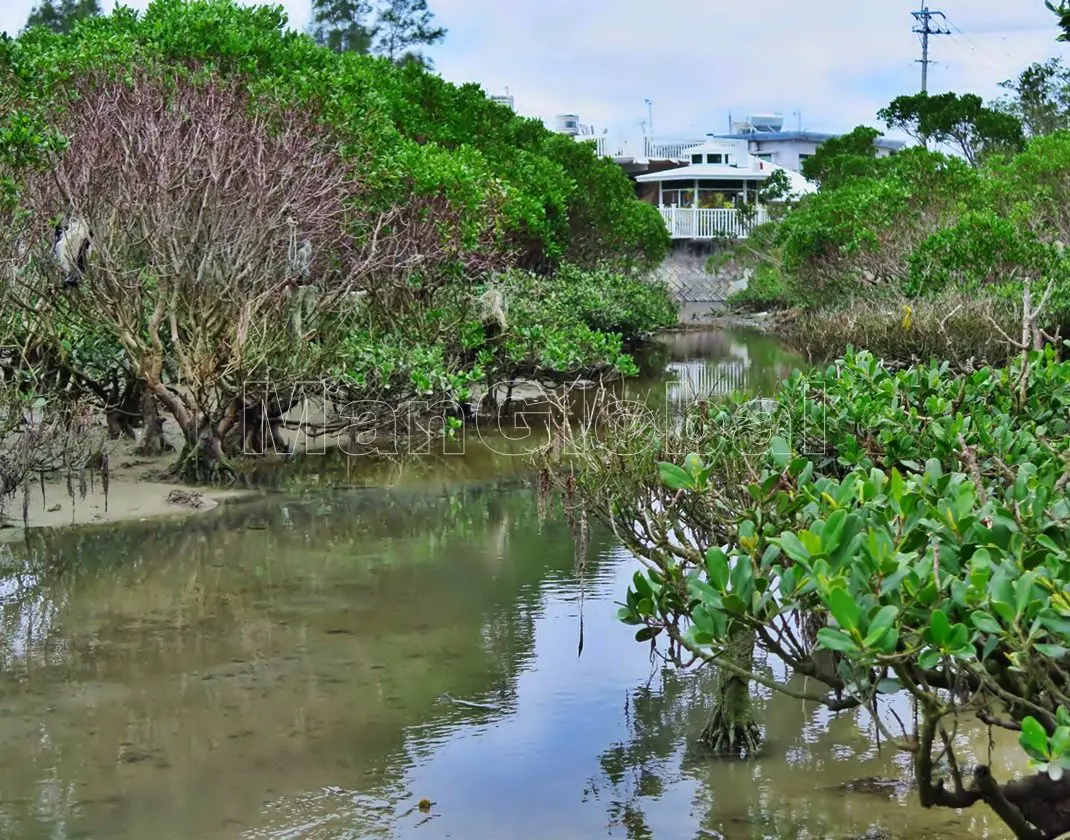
x=61, y=15
x=391, y=29
x=402, y=25
x=342, y=25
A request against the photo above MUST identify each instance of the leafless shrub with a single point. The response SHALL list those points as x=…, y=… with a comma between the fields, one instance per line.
x=39, y=437
x=954, y=327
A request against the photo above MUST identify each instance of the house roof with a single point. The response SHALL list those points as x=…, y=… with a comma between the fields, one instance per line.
x=704, y=172
x=804, y=136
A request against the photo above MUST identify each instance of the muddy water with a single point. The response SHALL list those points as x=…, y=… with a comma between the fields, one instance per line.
x=314, y=663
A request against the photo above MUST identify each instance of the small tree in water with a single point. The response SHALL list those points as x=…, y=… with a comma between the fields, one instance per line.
x=908, y=537
x=612, y=467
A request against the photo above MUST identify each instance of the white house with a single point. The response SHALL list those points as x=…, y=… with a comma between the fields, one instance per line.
x=702, y=198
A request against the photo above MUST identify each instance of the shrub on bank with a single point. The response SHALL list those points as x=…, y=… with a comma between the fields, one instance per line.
x=573, y=323
x=633, y=305
x=765, y=291
x=963, y=329
x=954, y=243
x=578, y=321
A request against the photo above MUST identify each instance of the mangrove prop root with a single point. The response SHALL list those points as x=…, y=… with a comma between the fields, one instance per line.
x=198, y=465
x=732, y=731
x=728, y=736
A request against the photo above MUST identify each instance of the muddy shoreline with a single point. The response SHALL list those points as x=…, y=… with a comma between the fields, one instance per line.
x=137, y=490
x=139, y=487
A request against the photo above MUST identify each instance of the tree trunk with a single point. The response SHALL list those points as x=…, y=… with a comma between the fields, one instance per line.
x=122, y=410
x=1041, y=801
x=732, y=731
x=120, y=423
x=202, y=460
x=258, y=429
x=152, y=439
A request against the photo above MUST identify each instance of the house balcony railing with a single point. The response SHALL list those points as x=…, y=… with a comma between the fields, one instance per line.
x=654, y=148
x=604, y=146
x=668, y=148
x=699, y=223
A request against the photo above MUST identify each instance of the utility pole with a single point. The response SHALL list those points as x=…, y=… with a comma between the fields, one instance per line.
x=925, y=29
x=650, y=116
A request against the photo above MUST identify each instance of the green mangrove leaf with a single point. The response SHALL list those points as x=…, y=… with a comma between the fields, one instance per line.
x=1034, y=739
x=674, y=477
x=833, y=639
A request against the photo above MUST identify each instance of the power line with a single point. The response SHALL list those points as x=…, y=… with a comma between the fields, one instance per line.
x=978, y=56
x=977, y=51
x=925, y=29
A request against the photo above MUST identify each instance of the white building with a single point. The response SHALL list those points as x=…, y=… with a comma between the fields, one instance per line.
x=768, y=141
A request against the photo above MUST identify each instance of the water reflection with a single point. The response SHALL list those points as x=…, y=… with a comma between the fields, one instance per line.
x=283, y=646
x=823, y=775
x=718, y=363
x=291, y=668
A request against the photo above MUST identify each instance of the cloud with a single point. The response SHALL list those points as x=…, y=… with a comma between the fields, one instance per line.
x=698, y=61
x=835, y=62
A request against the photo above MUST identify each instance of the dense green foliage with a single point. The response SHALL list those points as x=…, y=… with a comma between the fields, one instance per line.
x=578, y=321
x=861, y=234
x=450, y=241
x=575, y=323
x=557, y=199
x=886, y=239
x=841, y=158
x=920, y=225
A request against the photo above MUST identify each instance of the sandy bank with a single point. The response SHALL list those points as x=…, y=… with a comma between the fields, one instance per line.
x=136, y=491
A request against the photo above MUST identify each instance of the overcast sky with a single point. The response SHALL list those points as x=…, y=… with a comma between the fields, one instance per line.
x=835, y=61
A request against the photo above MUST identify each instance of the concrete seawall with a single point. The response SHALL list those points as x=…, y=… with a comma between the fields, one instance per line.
x=685, y=271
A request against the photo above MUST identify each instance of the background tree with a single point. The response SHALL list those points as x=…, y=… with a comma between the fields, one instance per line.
x=391, y=29
x=461, y=185
x=342, y=25
x=62, y=15
x=402, y=25
x=1062, y=11
x=962, y=122
x=1039, y=97
x=850, y=156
